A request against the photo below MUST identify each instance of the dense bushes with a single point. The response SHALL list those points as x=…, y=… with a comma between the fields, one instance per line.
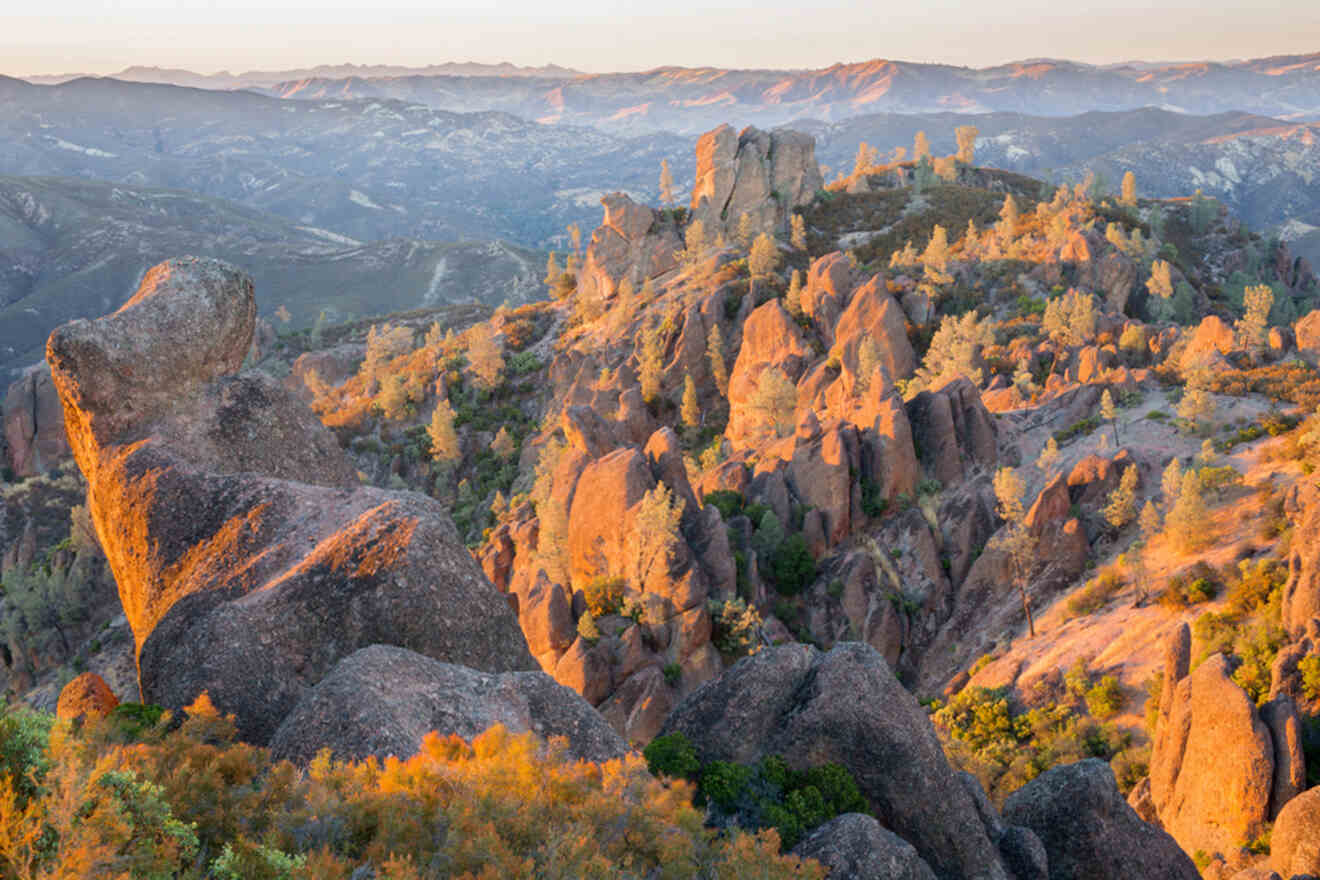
x=190, y=802
x=767, y=794
x=1006, y=746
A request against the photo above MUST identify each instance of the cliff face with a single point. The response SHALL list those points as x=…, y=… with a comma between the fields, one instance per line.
x=247, y=560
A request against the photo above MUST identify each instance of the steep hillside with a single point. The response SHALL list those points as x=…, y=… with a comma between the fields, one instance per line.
x=70, y=248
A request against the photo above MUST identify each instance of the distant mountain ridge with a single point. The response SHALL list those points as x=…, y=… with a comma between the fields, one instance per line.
x=253, y=78
x=692, y=100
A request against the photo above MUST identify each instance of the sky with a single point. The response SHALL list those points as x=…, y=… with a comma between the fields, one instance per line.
x=103, y=36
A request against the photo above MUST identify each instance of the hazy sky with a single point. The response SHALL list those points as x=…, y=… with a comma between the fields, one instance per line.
x=101, y=36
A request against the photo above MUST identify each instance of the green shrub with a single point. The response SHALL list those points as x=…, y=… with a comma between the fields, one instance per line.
x=673, y=674
x=1105, y=698
x=672, y=755
x=728, y=502
x=24, y=736
x=1309, y=667
x=793, y=566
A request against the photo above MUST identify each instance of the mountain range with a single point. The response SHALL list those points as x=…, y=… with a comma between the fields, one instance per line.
x=692, y=100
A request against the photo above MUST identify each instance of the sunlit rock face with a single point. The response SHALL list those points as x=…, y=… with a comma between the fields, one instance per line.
x=248, y=558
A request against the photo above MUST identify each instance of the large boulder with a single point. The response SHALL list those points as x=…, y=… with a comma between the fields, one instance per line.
x=33, y=424
x=845, y=706
x=1295, y=842
x=382, y=700
x=87, y=696
x=248, y=559
x=1089, y=832
x=856, y=847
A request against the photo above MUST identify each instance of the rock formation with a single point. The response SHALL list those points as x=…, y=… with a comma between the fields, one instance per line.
x=633, y=242
x=87, y=696
x=1218, y=771
x=761, y=174
x=33, y=424
x=1295, y=842
x=845, y=706
x=382, y=700
x=247, y=559
x=856, y=847
x=1089, y=832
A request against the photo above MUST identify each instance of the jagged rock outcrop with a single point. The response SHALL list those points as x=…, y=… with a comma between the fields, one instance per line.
x=1089, y=832
x=33, y=424
x=845, y=706
x=633, y=242
x=247, y=559
x=383, y=700
x=1301, y=594
x=87, y=696
x=855, y=847
x=953, y=431
x=761, y=174
x=1215, y=765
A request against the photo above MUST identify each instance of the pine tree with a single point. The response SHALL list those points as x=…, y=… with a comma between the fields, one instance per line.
x=1196, y=404
x=1129, y=190
x=1160, y=282
x=502, y=445
x=552, y=271
x=764, y=257
x=775, y=399
x=866, y=158
x=920, y=147
x=1149, y=521
x=1171, y=483
x=650, y=363
x=746, y=231
x=485, y=360
x=1251, y=328
x=868, y=364
x=666, y=184
x=1109, y=412
x=695, y=241
x=797, y=235
x=1049, y=456
x=966, y=137
x=575, y=237
x=936, y=255
x=1015, y=539
x=1008, y=219
x=719, y=371
x=691, y=409
x=655, y=534
x=1122, y=506
x=793, y=299
x=1186, y=519
x=444, y=439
